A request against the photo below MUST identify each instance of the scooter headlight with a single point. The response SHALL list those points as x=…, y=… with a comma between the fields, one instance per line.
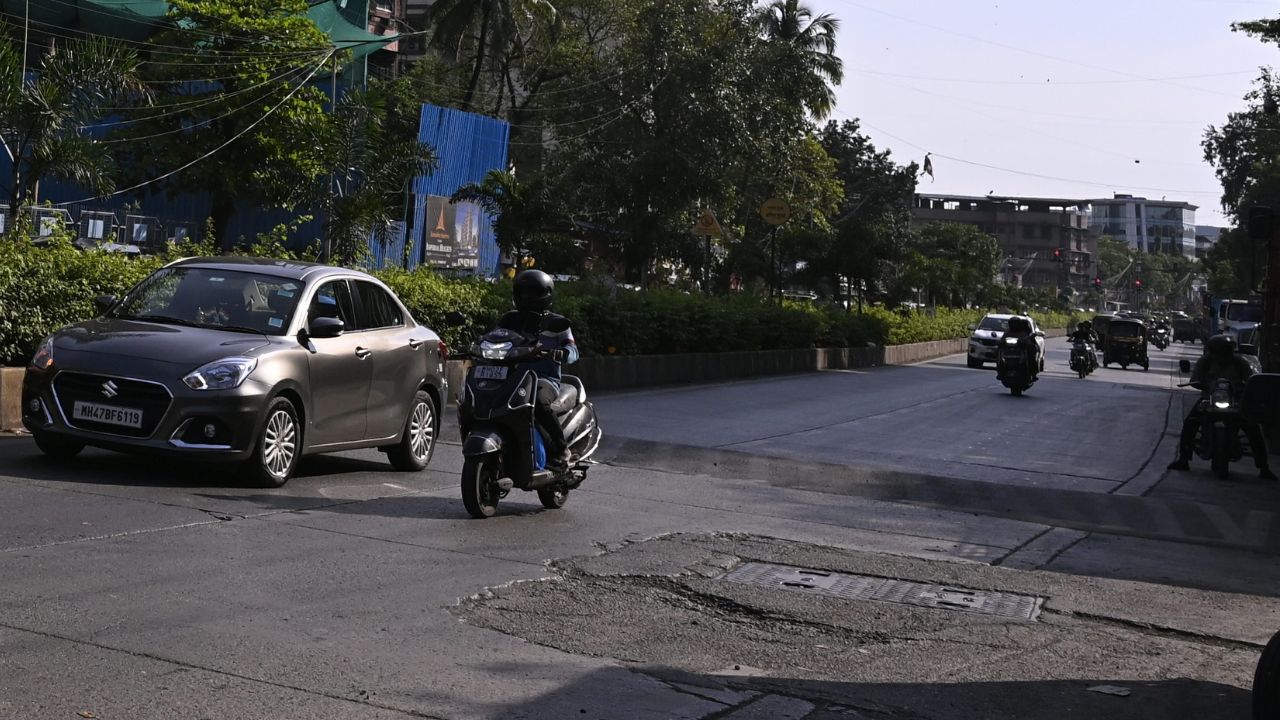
x=1221, y=399
x=494, y=351
x=1010, y=341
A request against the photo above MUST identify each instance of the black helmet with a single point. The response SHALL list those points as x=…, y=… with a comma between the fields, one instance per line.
x=1085, y=325
x=1221, y=346
x=533, y=291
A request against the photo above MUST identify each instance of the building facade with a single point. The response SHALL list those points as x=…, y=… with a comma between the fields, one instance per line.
x=1046, y=241
x=1150, y=226
x=1206, y=237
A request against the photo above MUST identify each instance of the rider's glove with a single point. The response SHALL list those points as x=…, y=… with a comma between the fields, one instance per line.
x=559, y=355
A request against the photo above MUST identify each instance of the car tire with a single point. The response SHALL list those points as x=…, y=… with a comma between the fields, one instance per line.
x=57, y=446
x=972, y=362
x=418, y=439
x=278, y=448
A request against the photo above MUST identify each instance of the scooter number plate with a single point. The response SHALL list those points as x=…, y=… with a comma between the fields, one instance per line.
x=491, y=372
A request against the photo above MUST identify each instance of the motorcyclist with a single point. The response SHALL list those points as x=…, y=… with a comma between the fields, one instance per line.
x=1220, y=362
x=533, y=293
x=1020, y=328
x=1084, y=333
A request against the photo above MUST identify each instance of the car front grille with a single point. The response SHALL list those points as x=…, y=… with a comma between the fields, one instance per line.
x=989, y=342
x=151, y=398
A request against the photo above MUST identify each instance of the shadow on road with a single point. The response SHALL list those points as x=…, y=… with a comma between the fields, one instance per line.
x=730, y=696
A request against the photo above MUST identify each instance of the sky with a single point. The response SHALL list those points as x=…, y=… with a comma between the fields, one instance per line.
x=1085, y=98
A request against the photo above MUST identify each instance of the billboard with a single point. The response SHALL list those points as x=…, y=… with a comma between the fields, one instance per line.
x=451, y=234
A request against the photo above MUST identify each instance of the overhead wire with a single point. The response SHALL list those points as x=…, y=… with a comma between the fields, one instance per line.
x=219, y=148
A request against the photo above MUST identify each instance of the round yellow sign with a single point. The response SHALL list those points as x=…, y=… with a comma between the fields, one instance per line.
x=775, y=211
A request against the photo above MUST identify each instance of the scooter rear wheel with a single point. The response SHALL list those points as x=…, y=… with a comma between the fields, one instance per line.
x=479, y=486
x=553, y=498
x=1266, y=682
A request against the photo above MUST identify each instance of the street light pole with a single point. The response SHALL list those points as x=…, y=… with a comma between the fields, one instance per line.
x=26, y=29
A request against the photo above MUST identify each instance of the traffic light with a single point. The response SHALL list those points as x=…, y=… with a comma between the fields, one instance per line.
x=1097, y=283
x=1137, y=285
x=1057, y=254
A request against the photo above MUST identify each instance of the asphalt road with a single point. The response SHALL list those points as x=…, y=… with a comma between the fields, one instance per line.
x=132, y=588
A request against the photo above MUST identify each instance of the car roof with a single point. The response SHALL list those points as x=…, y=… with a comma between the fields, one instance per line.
x=292, y=269
x=997, y=316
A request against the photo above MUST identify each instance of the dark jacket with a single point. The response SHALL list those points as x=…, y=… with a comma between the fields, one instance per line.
x=542, y=325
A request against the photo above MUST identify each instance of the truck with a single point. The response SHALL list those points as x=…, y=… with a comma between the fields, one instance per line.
x=1230, y=316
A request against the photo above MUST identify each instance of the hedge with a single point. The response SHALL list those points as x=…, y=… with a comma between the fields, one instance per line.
x=45, y=287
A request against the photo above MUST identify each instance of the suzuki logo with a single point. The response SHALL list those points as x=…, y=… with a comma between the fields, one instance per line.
x=109, y=389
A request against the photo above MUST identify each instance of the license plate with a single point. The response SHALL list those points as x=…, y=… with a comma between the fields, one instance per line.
x=109, y=414
x=491, y=372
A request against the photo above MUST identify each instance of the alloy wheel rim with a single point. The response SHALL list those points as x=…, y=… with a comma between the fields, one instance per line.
x=421, y=431
x=279, y=443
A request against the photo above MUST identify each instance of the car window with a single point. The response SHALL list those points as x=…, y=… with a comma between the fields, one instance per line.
x=377, y=309
x=333, y=299
x=213, y=298
x=992, y=323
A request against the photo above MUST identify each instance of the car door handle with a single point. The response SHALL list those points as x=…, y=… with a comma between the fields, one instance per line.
x=415, y=344
x=363, y=353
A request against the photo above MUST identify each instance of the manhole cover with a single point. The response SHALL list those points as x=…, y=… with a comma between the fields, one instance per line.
x=864, y=587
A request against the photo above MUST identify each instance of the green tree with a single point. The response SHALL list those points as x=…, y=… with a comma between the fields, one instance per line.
x=523, y=213
x=489, y=28
x=814, y=39
x=237, y=108
x=45, y=121
x=368, y=170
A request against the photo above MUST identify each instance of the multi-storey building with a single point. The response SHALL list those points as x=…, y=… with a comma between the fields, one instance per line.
x=1151, y=226
x=1045, y=240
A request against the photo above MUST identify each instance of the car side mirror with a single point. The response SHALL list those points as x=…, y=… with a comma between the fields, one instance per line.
x=1039, y=333
x=1184, y=366
x=972, y=328
x=103, y=303
x=453, y=318
x=325, y=327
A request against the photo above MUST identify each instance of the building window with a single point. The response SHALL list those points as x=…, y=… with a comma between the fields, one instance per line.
x=1028, y=231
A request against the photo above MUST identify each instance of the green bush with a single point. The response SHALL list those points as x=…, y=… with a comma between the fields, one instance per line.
x=45, y=287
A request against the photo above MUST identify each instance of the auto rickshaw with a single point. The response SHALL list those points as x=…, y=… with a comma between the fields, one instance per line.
x=1126, y=344
x=1101, y=324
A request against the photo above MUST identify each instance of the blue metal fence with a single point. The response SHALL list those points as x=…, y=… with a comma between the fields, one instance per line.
x=467, y=147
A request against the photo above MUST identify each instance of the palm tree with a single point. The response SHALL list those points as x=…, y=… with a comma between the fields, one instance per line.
x=520, y=210
x=495, y=22
x=46, y=118
x=364, y=191
x=814, y=38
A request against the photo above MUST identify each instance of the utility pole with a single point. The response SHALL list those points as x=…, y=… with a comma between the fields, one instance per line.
x=26, y=30
x=1271, y=302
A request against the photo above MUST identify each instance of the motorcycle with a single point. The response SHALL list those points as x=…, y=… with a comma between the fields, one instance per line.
x=1221, y=435
x=1160, y=338
x=502, y=446
x=1013, y=366
x=1083, y=360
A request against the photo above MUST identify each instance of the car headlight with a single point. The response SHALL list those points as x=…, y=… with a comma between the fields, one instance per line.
x=494, y=351
x=223, y=374
x=1010, y=341
x=43, y=359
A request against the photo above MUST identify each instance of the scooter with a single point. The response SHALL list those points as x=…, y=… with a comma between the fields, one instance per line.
x=1220, y=440
x=501, y=444
x=1013, y=367
x=1266, y=682
x=1160, y=338
x=1083, y=360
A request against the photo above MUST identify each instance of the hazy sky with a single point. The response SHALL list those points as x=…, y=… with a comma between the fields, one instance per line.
x=1074, y=91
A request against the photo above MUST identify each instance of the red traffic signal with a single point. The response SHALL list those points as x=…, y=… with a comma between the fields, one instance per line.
x=1137, y=285
x=1097, y=282
x=1057, y=254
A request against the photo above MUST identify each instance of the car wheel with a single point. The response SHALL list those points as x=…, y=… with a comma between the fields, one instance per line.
x=973, y=362
x=57, y=446
x=275, y=455
x=418, y=441
x=1266, y=682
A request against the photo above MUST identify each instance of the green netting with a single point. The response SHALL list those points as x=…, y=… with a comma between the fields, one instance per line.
x=138, y=19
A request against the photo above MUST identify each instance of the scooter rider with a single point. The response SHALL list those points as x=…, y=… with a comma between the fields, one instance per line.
x=1220, y=362
x=1084, y=333
x=533, y=293
x=1020, y=328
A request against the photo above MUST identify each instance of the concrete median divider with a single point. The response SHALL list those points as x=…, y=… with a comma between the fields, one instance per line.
x=603, y=373
x=11, y=398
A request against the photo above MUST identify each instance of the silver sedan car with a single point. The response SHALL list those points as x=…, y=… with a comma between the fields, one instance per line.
x=251, y=361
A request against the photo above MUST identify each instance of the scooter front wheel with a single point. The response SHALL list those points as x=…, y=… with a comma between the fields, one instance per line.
x=480, y=486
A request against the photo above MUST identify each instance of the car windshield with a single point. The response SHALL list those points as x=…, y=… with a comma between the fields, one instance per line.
x=218, y=299
x=994, y=323
x=1129, y=330
x=1244, y=313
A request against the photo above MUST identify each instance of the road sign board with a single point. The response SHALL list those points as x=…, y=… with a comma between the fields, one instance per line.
x=707, y=225
x=775, y=211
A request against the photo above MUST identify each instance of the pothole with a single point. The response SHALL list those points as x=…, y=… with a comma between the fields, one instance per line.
x=877, y=589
